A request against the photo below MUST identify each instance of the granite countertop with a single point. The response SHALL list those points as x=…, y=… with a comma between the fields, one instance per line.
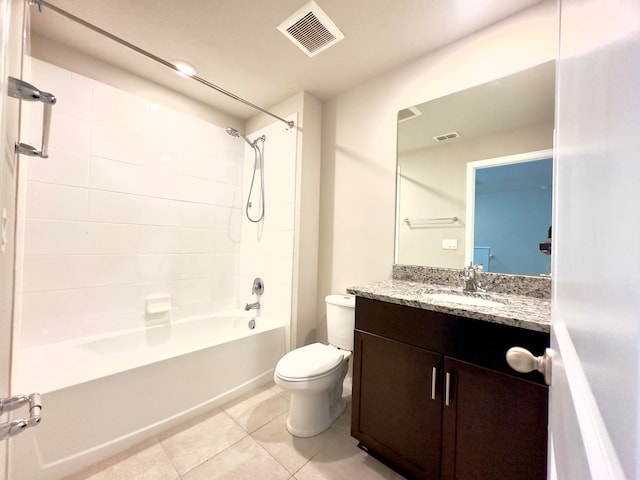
x=522, y=311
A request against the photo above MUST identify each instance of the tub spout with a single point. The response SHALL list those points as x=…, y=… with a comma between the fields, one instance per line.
x=252, y=306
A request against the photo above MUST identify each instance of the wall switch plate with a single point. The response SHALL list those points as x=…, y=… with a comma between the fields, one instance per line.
x=449, y=244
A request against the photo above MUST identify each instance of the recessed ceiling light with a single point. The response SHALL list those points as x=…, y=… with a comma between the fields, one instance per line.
x=184, y=69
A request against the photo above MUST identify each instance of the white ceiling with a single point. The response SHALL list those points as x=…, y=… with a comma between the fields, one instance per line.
x=235, y=43
x=523, y=99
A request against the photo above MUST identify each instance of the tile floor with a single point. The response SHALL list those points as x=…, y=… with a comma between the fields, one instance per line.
x=245, y=439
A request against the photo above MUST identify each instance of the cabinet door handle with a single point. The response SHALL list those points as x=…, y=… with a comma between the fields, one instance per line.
x=434, y=373
x=447, y=386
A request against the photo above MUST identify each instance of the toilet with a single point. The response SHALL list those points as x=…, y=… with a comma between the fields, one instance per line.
x=313, y=374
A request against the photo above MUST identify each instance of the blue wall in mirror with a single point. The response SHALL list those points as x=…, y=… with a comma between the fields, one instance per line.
x=513, y=208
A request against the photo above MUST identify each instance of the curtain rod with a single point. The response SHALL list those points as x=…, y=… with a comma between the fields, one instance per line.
x=153, y=57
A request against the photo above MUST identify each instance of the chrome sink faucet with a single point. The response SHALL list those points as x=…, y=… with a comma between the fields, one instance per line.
x=471, y=279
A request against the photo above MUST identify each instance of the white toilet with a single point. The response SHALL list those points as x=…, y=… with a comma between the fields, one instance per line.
x=314, y=373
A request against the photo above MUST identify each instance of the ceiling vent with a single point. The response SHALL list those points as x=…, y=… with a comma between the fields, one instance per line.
x=408, y=113
x=311, y=29
x=446, y=136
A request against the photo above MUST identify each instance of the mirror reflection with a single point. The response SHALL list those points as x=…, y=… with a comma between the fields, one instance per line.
x=509, y=120
x=508, y=212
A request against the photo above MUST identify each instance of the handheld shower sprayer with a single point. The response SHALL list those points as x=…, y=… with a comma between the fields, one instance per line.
x=257, y=164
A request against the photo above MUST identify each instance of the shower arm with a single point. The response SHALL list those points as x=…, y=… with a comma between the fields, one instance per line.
x=153, y=57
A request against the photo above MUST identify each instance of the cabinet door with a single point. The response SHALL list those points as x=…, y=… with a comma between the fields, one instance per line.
x=397, y=404
x=494, y=426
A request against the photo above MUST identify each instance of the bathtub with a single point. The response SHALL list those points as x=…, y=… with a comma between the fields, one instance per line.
x=105, y=394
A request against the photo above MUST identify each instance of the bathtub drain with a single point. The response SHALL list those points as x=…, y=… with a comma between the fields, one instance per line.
x=252, y=324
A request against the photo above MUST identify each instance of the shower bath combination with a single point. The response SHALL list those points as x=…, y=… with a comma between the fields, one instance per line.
x=196, y=339
x=257, y=163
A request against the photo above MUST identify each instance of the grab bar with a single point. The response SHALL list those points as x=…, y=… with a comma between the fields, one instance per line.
x=25, y=91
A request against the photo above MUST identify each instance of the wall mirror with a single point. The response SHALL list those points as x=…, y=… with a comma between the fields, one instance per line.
x=508, y=120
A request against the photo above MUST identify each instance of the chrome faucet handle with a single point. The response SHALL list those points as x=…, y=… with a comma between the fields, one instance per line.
x=258, y=286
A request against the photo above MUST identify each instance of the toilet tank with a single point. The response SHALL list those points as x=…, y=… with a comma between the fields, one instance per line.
x=341, y=320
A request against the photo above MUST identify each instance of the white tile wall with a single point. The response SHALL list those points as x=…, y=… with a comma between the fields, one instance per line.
x=138, y=200
x=112, y=207
x=70, y=168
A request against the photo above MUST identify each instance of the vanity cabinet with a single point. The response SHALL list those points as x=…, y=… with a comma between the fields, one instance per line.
x=396, y=416
x=434, y=398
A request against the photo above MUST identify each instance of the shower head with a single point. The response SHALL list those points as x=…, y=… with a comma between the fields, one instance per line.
x=235, y=133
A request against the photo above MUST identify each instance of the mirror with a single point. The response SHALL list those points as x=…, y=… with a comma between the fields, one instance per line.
x=511, y=119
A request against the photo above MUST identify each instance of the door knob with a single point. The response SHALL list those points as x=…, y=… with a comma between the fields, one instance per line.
x=523, y=361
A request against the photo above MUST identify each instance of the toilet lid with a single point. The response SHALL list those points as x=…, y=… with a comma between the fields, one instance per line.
x=309, y=361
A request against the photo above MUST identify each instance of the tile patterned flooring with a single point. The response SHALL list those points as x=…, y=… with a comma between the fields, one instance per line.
x=244, y=439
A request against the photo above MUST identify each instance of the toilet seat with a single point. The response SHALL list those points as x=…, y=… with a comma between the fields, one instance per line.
x=309, y=362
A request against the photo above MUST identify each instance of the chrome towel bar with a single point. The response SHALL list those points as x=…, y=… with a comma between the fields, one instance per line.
x=430, y=221
x=15, y=427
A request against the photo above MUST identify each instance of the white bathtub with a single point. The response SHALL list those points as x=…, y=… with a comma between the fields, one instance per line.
x=102, y=395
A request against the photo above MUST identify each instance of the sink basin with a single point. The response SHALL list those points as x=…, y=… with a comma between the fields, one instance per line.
x=462, y=299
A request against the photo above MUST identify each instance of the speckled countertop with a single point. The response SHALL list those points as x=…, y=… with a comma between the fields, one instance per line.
x=530, y=309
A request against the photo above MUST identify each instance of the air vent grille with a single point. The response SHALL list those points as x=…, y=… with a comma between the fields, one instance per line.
x=408, y=113
x=446, y=136
x=311, y=30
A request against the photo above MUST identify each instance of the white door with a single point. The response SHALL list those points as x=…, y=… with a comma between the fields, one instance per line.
x=5, y=317
x=11, y=13
x=594, y=409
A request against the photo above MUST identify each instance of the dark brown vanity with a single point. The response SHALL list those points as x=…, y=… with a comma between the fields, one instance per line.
x=434, y=398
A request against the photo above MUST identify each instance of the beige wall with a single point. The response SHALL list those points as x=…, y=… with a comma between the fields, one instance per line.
x=357, y=197
x=307, y=174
